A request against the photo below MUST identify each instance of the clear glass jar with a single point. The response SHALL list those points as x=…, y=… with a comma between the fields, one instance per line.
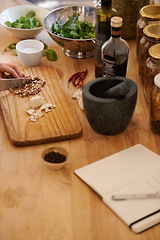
x=151, y=37
x=151, y=70
x=129, y=11
x=155, y=106
x=149, y=14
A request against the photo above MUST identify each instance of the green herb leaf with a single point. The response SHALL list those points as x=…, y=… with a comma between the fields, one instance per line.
x=30, y=14
x=27, y=22
x=11, y=46
x=14, y=52
x=9, y=24
x=73, y=28
x=50, y=54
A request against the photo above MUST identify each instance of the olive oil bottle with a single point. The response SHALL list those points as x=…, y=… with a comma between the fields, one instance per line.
x=104, y=14
x=115, y=51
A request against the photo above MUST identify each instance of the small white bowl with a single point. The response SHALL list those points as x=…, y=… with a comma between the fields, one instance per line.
x=57, y=165
x=30, y=52
x=14, y=13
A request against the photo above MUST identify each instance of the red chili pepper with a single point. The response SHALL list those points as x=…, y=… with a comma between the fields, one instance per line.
x=75, y=76
x=83, y=75
x=74, y=80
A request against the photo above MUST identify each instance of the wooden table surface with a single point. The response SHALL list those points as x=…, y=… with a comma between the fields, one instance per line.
x=37, y=203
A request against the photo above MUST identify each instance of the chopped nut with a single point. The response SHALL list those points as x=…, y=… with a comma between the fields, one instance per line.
x=30, y=111
x=37, y=114
x=33, y=87
x=36, y=101
x=32, y=119
x=46, y=105
x=48, y=110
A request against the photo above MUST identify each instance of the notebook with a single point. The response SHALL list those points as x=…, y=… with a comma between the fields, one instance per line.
x=135, y=170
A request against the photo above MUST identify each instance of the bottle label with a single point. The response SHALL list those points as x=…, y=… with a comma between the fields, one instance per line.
x=109, y=65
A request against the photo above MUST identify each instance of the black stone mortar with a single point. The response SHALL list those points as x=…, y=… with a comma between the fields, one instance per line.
x=109, y=103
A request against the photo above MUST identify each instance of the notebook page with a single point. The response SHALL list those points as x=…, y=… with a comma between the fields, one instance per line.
x=119, y=169
x=130, y=211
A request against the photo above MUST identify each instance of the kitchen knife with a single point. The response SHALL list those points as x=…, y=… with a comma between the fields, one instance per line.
x=11, y=83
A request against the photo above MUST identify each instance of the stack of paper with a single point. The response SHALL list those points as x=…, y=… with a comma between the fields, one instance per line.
x=135, y=170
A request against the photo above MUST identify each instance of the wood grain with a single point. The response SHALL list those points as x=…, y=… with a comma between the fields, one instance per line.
x=59, y=124
x=39, y=204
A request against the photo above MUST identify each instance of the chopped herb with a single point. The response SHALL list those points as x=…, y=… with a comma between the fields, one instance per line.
x=73, y=28
x=11, y=46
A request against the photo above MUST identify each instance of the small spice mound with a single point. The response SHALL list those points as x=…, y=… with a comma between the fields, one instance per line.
x=33, y=87
x=54, y=157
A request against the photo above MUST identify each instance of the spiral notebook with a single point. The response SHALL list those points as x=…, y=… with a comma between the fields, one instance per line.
x=135, y=170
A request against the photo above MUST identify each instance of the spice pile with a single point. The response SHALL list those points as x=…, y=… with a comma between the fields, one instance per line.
x=31, y=90
x=54, y=157
x=33, y=87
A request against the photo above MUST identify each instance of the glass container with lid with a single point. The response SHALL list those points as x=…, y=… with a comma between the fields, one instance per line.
x=128, y=10
x=151, y=37
x=149, y=14
x=155, y=106
x=152, y=69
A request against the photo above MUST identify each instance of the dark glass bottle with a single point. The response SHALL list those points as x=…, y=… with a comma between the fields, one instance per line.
x=103, y=32
x=115, y=51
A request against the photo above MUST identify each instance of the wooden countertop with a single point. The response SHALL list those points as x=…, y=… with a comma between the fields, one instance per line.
x=37, y=203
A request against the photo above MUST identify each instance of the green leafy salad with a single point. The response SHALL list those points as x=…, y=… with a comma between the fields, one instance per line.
x=27, y=22
x=73, y=28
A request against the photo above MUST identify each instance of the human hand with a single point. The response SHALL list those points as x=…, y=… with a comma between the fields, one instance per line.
x=10, y=68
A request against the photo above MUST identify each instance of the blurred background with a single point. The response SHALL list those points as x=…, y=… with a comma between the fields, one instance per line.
x=51, y=4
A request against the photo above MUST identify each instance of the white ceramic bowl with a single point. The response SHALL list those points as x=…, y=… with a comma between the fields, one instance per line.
x=58, y=149
x=30, y=52
x=14, y=13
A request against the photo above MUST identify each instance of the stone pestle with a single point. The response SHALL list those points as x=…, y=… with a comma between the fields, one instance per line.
x=120, y=90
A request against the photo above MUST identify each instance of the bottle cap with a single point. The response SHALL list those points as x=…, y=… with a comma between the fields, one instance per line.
x=106, y=3
x=151, y=12
x=116, y=22
x=157, y=80
x=152, y=31
x=154, y=51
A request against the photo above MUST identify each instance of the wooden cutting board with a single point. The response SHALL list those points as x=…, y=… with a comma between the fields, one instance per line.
x=59, y=124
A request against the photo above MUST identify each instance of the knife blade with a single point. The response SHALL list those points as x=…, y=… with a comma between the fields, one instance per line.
x=10, y=83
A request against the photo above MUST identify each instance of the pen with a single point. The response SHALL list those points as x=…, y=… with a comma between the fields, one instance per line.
x=135, y=196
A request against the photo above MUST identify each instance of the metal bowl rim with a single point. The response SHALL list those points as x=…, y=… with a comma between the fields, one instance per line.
x=54, y=10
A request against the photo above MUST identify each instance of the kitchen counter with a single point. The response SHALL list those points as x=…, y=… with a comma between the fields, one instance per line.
x=37, y=203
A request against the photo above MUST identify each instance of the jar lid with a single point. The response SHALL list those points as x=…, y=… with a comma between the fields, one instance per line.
x=152, y=31
x=154, y=51
x=157, y=80
x=116, y=22
x=151, y=12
